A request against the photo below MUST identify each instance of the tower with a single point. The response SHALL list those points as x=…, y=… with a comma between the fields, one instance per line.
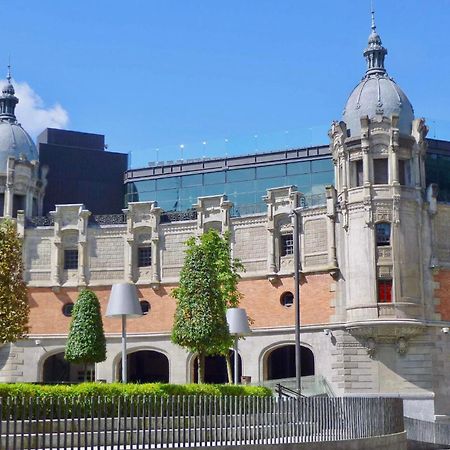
x=378, y=150
x=22, y=181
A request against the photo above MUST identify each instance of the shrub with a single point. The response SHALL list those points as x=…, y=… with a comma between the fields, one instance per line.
x=110, y=400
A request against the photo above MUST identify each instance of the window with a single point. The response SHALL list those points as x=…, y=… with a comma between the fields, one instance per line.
x=145, y=307
x=404, y=172
x=67, y=309
x=357, y=176
x=380, y=171
x=70, y=259
x=287, y=244
x=385, y=291
x=144, y=256
x=383, y=232
x=287, y=299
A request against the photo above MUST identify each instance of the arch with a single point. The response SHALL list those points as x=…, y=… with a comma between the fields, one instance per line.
x=279, y=361
x=144, y=366
x=55, y=369
x=215, y=368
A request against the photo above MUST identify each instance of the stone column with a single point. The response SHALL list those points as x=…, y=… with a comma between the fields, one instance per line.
x=156, y=277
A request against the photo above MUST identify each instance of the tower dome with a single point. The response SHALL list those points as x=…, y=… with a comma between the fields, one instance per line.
x=377, y=93
x=14, y=140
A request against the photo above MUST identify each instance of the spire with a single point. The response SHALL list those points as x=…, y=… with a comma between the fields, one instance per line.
x=8, y=100
x=375, y=52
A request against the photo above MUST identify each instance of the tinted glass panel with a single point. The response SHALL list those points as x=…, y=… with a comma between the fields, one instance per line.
x=143, y=186
x=298, y=168
x=321, y=165
x=322, y=178
x=214, y=178
x=191, y=180
x=241, y=175
x=278, y=170
x=168, y=183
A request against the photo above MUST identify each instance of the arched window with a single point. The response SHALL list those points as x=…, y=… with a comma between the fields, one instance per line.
x=383, y=233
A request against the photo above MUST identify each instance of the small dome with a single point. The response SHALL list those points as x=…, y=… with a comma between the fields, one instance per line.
x=377, y=94
x=15, y=141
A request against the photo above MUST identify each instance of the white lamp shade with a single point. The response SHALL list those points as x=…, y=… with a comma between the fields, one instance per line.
x=123, y=301
x=238, y=322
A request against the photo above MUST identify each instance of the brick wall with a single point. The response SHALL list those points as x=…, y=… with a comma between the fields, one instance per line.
x=261, y=299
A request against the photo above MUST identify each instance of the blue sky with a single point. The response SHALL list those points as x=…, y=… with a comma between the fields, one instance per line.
x=159, y=73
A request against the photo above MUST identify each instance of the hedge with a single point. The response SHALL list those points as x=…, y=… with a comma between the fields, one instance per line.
x=114, y=390
x=29, y=401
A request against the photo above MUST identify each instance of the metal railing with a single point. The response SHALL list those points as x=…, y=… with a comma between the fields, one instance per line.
x=188, y=421
x=429, y=432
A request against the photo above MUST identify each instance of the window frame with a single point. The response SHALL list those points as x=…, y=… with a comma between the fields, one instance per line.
x=69, y=259
x=384, y=290
x=144, y=260
x=286, y=247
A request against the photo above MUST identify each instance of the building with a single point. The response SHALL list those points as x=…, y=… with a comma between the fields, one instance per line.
x=73, y=160
x=374, y=248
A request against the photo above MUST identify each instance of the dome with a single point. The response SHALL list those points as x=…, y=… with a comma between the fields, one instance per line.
x=377, y=94
x=16, y=142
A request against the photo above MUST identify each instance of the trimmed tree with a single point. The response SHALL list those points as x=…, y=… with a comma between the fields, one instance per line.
x=86, y=343
x=208, y=285
x=14, y=308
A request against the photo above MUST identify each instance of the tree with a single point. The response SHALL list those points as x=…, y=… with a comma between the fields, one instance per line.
x=86, y=342
x=208, y=285
x=14, y=308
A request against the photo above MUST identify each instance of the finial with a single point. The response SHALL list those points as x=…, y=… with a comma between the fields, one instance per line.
x=372, y=12
x=8, y=76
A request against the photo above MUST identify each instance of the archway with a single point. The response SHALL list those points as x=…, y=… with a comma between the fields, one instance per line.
x=146, y=366
x=281, y=362
x=57, y=370
x=216, y=369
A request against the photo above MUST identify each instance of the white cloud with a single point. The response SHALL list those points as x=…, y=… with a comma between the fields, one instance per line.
x=32, y=112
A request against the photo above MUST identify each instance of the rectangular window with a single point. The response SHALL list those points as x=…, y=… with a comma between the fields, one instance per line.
x=385, y=291
x=404, y=172
x=70, y=259
x=144, y=256
x=380, y=171
x=287, y=245
x=356, y=173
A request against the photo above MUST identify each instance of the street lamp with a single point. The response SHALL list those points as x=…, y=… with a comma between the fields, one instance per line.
x=123, y=302
x=298, y=370
x=238, y=327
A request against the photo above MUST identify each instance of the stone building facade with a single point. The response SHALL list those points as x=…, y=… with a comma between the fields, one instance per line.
x=375, y=269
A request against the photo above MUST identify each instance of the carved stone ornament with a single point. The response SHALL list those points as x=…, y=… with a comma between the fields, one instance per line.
x=371, y=346
x=402, y=345
x=395, y=333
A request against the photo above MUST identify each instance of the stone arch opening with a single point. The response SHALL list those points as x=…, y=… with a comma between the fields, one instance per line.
x=146, y=366
x=280, y=362
x=216, y=368
x=57, y=370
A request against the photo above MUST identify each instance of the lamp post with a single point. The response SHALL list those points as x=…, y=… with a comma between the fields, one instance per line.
x=238, y=327
x=123, y=303
x=298, y=369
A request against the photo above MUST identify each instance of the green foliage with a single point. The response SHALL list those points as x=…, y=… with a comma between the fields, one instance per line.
x=208, y=285
x=114, y=390
x=14, y=308
x=86, y=341
x=30, y=401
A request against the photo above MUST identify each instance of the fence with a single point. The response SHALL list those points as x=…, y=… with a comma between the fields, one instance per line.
x=430, y=432
x=187, y=421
